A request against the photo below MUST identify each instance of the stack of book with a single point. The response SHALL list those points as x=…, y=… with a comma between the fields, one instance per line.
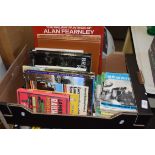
x=60, y=78
x=62, y=69
x=58, y=81
x=114, y=94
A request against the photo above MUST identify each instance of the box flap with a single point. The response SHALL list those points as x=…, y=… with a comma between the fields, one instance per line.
x=115, y=62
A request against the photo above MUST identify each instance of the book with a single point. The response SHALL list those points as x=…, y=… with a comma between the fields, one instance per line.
x=57, y=50
x=117, y=93
x=48, y=68
x=86, y=38
x=61, y=60
x=34, y=104
x=83, y=96
x=56, y=68
x=74, y=104
x=52, y=80
x=48, y=105
x=39, y=101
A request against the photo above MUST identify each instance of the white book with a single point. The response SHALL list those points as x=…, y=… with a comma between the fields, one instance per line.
x=58, y=50
x=83, y=96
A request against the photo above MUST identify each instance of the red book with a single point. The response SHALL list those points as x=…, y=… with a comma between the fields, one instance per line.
x=48, y=105
x=45, y=101
x=87, y=38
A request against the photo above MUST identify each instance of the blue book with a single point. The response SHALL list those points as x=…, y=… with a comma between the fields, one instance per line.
x=117, y=93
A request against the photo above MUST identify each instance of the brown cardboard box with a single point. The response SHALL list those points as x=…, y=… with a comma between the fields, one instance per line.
x=12, y=40
x=117, y=62
x=13, y=78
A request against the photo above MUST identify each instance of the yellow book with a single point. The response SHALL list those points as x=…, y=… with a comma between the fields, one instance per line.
x=74, y=104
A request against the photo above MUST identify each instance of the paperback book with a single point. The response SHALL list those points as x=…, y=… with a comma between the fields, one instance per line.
x=44, y=101
x=117, y=93
x=59, y=81
x=113, y=95
x=83, y=96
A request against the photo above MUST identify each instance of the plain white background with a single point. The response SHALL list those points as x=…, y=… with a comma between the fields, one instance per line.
x=69, y=12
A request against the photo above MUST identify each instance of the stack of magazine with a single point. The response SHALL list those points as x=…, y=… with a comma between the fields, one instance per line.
x=58, y=81
x=114, y=94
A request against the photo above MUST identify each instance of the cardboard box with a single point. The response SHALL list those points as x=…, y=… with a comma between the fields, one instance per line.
x=117, y=62
x=12, y=40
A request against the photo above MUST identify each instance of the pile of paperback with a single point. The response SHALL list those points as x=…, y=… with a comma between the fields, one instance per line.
x=58, y=82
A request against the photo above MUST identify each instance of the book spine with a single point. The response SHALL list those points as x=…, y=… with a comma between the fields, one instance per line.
x=34, y=104
x=74, y=103
x=48, y=105
x=54, y=106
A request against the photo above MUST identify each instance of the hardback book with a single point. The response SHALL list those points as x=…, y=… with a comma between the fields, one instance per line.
x=67, y=60
x=87, y=38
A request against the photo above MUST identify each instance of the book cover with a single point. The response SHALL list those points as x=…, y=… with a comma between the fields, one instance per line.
x=74, y=104
x=22, y=97
x=83, y=96
x=68, y=60
x=59, y=106
x=42, y=101
x=47, y=85
x=59, y=102
x=117, y=93
x=86, y=38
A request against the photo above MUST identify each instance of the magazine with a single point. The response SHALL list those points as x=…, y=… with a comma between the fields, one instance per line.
x=117, y=93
